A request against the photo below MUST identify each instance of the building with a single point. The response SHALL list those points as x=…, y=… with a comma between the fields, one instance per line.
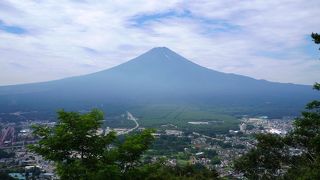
x=243, y=127
x=174, y=132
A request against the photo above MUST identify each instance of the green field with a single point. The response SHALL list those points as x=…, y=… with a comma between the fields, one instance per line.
x=157, y=115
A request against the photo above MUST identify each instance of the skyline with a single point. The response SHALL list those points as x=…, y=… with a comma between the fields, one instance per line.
x=43, y=41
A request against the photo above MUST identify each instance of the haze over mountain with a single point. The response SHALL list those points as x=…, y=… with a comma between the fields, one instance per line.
x=159, y=76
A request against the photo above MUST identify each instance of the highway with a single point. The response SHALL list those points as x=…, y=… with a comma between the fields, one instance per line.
x=131, y=118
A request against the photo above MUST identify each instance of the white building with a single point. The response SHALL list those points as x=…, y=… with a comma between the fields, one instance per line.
x=243, y=127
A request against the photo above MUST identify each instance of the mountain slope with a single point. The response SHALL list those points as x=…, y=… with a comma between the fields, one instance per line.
x=157, y=76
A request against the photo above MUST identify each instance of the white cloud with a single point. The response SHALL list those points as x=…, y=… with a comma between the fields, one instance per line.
x=262, y=39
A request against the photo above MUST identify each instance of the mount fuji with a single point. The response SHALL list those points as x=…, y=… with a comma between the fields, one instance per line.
x=159, y=76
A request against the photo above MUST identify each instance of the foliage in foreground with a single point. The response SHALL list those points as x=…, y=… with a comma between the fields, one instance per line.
x=80, y=153
x=295, y=156
x=161, y=171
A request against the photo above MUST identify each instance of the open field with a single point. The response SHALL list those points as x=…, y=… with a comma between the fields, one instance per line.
x=158, y=116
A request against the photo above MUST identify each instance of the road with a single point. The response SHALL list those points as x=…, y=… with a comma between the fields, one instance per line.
x=205, y=136
x=134, y=119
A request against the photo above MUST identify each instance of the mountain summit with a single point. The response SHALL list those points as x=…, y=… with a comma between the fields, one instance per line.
x=158, y=58
x=160, y=53
x=157, y=76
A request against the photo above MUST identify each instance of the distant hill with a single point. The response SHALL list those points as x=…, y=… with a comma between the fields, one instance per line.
x=159, y=76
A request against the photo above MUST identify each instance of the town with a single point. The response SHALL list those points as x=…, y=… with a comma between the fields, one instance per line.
x=177, y=146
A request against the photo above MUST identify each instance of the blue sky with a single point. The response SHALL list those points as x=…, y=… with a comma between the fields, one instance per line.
x=46, y=40
x=11, y=29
